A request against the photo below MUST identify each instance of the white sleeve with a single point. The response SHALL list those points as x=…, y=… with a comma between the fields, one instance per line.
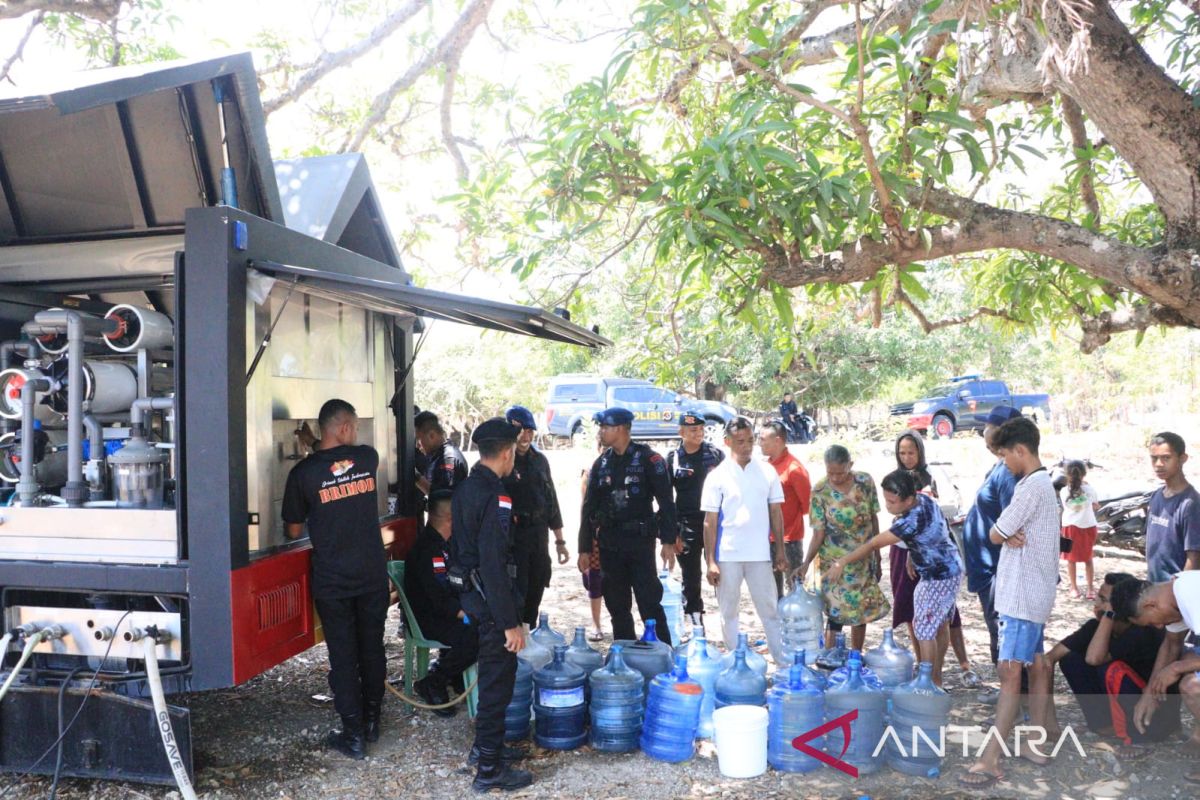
x=1017, y=513
x=775, y=487
x=711, y=495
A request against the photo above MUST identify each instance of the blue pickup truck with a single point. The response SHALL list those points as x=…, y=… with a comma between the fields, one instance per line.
x=964, y=405
x=573, y=399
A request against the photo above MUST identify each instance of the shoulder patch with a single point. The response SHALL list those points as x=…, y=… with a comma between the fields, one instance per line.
x=505, y=501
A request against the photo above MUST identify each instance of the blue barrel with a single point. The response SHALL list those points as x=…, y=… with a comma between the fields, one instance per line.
x=546, y=636
x=672, y=605
x=559, y=710
x=672, y=715
x=740, y=685
x=703, y=669
x=616, y=706
x=920, y=711
x=753, y=659
x=517, y=714
x=796, y=705
x=865, y=731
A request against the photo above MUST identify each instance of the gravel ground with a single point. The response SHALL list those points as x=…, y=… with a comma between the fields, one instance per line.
x=262, y=739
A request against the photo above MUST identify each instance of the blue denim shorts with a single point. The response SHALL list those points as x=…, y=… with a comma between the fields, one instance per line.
x=1020, y=639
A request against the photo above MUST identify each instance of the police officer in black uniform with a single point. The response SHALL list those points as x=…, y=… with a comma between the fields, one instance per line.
x=623, y=485
x=444, y=466
x=689, y=465
x=437, y=605
x=535, y=509
x=333, y=492
x=482, y=564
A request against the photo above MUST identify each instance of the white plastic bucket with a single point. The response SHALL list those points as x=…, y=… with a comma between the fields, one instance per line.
x=740, y=733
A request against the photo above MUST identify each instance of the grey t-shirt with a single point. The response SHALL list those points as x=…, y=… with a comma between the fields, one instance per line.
x=1172, y=529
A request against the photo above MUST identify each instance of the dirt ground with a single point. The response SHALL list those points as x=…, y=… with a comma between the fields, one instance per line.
x=262, y=740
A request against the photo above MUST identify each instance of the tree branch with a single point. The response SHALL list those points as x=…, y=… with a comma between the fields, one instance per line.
x=1073, y=116
x=456, y=39
x=99, y=10
x=19, y=52
x=823, y=48
x=929, y=327
x=328, y=62
x=448, y=138
x=1098, y=331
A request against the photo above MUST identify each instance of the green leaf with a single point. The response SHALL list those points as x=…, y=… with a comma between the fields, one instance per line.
x=652, y=192
x=712, y=212
x=759, y=37
x=979, y=163
x=952, y=119
x=611, y=140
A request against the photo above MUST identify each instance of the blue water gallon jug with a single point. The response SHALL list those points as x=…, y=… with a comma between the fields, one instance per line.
x=546, y=636
x=559, y=710
x=834, y=657
x=801, y=619
x=584, y=656
x=648, y=655
x=703, y=668
x=865, y=731
x=740, y=685
x=920, y=712
x=812, y=675
x=687, y=648
x=672, y=604
x=753, y=659
x=616, y=707
x=796, y=705
x=534, y=653
x=890, y=662
x=518, y=713
x=672, y=715
x=839, y=675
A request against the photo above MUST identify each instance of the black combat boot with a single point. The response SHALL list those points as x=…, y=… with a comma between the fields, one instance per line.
x=508, y=755
x=493, y=773
x=349, y=740
x=432, y=690
x=372, y=709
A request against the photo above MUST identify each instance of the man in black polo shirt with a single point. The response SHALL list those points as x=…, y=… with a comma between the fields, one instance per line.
x=333, y=491
x=443, y=466
x=688, y=466
x=435, y=604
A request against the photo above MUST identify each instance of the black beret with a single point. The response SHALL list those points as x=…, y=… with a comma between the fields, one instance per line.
x=495, y=429
x=613, y=416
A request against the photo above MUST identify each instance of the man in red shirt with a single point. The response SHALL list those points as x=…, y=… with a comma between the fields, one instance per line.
x=797, y=492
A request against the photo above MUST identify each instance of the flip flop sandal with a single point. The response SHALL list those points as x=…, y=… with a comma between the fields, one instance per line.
x=991, y=780
x=1132, y=753
x=1091, y=595
x=971, y=679
x=595, y=635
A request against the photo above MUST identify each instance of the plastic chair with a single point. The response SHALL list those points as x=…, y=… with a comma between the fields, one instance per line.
x=417, y=647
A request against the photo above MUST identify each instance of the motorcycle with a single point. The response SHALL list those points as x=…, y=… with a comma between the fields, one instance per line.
x=1125, y=515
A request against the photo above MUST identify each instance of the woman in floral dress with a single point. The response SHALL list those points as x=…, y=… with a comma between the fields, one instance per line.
x=845, y=509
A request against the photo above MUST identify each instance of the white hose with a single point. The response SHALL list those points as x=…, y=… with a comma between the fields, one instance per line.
x=163, y=720
x=30, y=643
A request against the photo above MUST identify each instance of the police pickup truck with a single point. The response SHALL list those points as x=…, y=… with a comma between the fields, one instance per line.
x=573, y=399
x=964, y=405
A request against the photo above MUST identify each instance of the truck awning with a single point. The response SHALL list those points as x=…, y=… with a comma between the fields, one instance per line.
x=393, y=297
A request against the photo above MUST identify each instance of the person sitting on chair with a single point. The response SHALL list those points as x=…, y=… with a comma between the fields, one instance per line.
x=436, y=606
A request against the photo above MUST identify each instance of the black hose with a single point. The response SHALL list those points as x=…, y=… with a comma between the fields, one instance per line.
x=58, y=759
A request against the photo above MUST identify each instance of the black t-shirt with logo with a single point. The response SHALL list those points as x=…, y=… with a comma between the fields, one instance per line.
x=334, y=492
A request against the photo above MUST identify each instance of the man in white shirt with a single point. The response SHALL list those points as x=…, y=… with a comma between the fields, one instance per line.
x=743, y=508
x=1174, y=605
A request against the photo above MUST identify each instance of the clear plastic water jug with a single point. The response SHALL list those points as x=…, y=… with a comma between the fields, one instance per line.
x=546, y=636
x=740, y=685
x=687, y=648
x=559, y=709
x=703, y=669
x=534, y=653
x=753, y=659
x=801, y=619
x=865, y=731
x=834, y=657
x=519, y=711
x=796, y=705
x=672, y=715
x=616, y=707
x=890, y=662
x=584, y=656
x=672, y=604
x=920, y=712
x=648, y=655
x=839, y=675
x=812, y=675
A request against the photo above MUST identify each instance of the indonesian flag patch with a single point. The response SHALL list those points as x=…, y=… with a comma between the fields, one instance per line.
x=439, y=564
x=505, y=502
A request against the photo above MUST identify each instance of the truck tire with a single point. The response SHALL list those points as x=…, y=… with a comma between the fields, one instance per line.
x=577, y=435
x=713, y=431
x=942, y=426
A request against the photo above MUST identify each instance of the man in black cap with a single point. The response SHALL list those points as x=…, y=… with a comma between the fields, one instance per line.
x=790, y=415
x=535, y=509
x=444, y=465
x=481, y=560
x=437, y=606
x=333, y=492
x=623, y=485
x=688, y=466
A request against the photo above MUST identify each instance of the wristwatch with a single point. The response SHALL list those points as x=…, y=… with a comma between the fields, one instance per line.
x=1109, y=614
